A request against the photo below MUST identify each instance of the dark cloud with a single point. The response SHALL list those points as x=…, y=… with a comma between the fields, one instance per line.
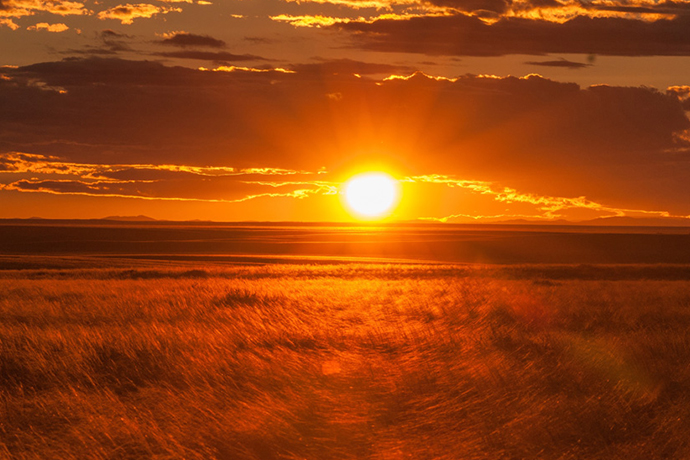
x=117, y=72
x=667, y=7
x=109, y=34
x=114, y=41
x=544, y=3
x=260, y=40
x=91, y=51
x=494, y=6
x=559, y=63
x=349, y=67
x=468, y=36
x=622, y=146
x=183, y=39
x=212, y=56
x=110, y=43
x=682, y=93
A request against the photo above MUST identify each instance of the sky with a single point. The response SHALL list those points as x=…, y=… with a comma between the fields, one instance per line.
x=260, y=110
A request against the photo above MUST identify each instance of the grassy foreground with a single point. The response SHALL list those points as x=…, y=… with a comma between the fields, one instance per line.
x=343, y=362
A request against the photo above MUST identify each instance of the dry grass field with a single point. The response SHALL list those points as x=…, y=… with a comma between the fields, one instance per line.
x=349, y=361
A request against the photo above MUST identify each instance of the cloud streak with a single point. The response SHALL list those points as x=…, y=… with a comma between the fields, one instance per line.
x=17, y=162
x=158, y=182
x=127, y=13
x=559, y=63
x=185, y=39
x=212, y=56
x=118, y=190
x=57, y=28
x=549, y=207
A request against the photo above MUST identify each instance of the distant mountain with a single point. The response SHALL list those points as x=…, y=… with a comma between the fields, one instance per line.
x=130, y=218
x=533, y=222
x=638, y=221
x=607, y=222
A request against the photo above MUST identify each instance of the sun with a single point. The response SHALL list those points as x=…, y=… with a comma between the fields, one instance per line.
x=371, y=195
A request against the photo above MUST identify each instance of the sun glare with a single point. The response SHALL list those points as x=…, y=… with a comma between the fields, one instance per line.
x=371, y=195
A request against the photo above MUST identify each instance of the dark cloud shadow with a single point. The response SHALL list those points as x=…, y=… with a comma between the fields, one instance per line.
x=349, y=67
x=184, y=39
x=220, y=57
x=560, y=63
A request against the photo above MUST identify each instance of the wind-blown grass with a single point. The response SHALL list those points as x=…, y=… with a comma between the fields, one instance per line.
x=340, y=362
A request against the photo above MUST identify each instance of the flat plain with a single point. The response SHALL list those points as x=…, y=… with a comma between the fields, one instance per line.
x=289, y=356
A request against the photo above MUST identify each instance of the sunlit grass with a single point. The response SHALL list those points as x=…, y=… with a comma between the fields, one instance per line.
x=348, y=361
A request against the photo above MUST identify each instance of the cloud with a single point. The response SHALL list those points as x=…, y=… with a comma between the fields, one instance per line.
x=9, y=23
x=497, y=7
x=547, y=207
x=14, y=9
x=465, y=35
x=111, y=43
x=348, y=67
x=19, y=162
x=319, y=21
x=114, y=189
x=198, y=2
x=114, y=41
x=97, y=71
x=49, y=27
x=184, y=39
x=682, y=93
x=21, y=8
x=670, y=8
x=213, y=56
x=241, y=69
x=490, y=11
x=362, y=4
x=559, y=63
x=127, y=13
x=157, y=182
x=309, y=21
x=622, y=148
x=109, y=34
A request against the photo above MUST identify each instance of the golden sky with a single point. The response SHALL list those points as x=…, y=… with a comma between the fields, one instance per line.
x=233, y=110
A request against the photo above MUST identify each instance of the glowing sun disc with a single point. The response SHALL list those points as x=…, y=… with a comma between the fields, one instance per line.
x=373, y=194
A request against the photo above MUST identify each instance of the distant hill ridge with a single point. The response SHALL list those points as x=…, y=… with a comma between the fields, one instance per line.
x=631, y=221
x=130, y=218
x=616, y=221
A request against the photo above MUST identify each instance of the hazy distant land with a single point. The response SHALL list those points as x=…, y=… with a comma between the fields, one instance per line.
x=492, y=244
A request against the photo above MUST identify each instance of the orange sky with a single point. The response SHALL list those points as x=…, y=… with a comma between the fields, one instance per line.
x=485, y=110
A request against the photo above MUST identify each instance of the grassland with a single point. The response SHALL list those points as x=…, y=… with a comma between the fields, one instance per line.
x=345, y=361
